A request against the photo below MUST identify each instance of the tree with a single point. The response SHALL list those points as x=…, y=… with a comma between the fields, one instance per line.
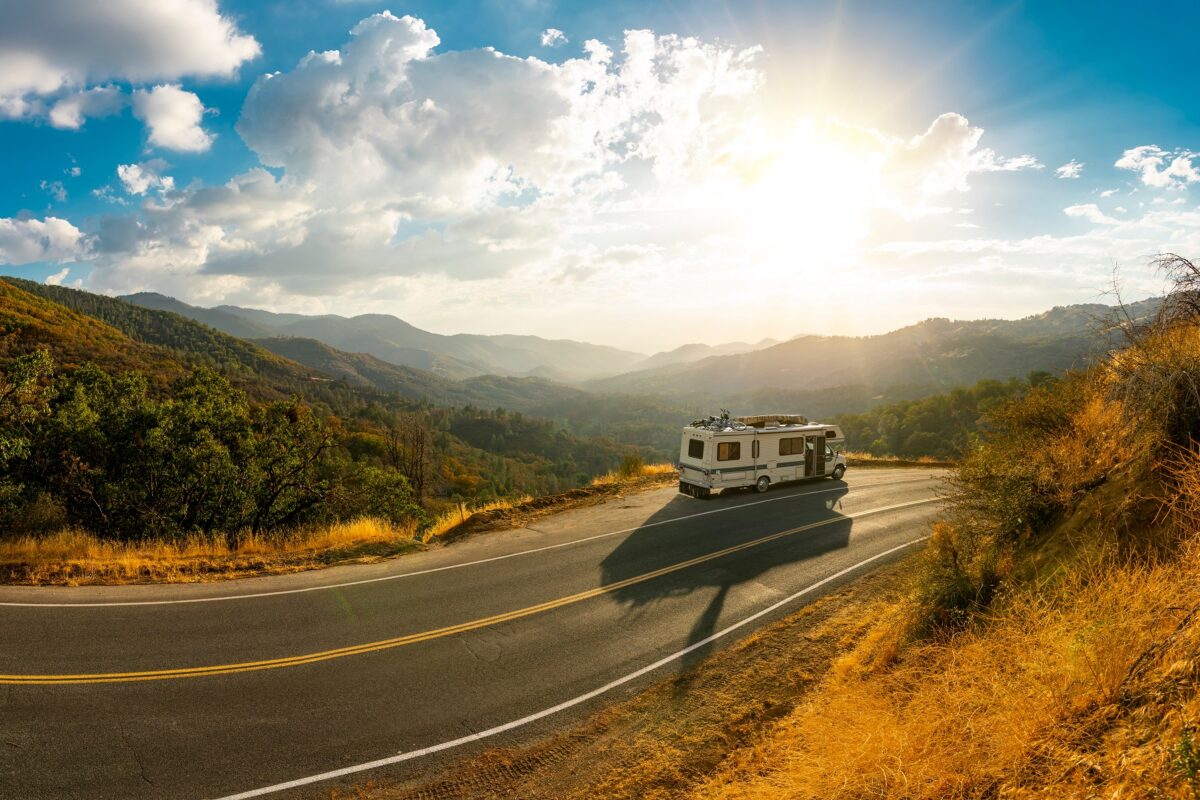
x=285, y=473
x=25, y=395
x=408, y=444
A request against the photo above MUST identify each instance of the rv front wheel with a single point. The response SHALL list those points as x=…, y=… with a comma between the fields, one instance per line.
x=763, y=484
x=838, y=472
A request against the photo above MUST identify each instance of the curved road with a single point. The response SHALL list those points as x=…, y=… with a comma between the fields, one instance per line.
x=287, y=686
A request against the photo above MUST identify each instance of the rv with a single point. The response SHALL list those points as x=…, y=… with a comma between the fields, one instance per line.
x=733, y=452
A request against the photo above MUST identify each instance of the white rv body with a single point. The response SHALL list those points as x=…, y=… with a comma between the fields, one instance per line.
x=729, y=453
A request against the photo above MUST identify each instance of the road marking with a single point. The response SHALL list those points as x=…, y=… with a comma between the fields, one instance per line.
x=583, y=698
x=423, y=636
x=541, y=549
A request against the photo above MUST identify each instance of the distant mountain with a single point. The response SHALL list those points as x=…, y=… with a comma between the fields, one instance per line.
x=685, y=354
x=213, y=318
x=928, y=356
x=397, y=342
x=364, y=370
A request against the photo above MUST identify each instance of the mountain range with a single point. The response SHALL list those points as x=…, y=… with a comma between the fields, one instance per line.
x=633, y=398
x=455, y=357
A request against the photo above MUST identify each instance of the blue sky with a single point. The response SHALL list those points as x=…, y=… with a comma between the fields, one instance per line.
x=902, y=158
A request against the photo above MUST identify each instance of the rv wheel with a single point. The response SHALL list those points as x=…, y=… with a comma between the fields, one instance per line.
x=838, y=472
x=763, y=484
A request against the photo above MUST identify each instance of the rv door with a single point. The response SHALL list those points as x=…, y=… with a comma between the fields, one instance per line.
x=814, y=456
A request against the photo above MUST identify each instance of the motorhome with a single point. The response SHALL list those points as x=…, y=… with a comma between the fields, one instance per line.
x=732, y=452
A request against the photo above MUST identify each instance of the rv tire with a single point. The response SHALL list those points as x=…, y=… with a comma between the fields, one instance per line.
x=838, y=472
x=762, y=484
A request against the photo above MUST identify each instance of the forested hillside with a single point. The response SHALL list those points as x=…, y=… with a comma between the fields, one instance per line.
x=943, y=425
x=92, y=418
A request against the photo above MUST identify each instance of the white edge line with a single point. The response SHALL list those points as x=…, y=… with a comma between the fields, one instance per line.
x=583, y=698
x=324, y=587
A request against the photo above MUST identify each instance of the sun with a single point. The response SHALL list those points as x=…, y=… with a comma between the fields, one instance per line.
x=807, y=202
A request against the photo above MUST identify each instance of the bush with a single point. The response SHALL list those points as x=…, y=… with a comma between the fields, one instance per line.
x=631, y=466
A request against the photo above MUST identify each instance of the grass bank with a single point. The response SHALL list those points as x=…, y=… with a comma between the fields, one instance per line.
x=860, y=459
x=75, y=557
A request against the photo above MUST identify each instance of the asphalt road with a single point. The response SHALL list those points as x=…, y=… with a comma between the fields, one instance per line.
x=218, y=690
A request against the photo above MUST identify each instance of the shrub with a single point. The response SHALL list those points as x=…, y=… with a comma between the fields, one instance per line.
x=631, y=466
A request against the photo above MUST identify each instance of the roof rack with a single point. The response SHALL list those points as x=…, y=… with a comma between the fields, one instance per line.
x=763, y=420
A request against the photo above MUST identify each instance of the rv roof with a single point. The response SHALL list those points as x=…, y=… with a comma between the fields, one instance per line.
x=812, y=426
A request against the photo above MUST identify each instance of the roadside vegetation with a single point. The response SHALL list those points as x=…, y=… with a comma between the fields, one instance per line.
x=941, y=427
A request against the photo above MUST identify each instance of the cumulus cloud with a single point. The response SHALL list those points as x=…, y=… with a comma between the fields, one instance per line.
x=941, y=159
x=140, y=178
x=1091, y=212
x=1071, y=169
x=57, y=278
x=24, y=241
x=72, y=109
x=386, y=117
x=1160, y=168
x=553, y=37
x=173, y=117
x=52, y=47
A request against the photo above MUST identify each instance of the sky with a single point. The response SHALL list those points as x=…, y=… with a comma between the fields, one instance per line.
x=636, y=174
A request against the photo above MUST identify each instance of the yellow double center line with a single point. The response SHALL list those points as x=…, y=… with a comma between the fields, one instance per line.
x=424, y=636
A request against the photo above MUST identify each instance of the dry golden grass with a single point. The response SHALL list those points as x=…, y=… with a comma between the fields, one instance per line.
x=861, y=458
x=461, y=515
x=641, y=471
x=73, y=556
x=967, y=717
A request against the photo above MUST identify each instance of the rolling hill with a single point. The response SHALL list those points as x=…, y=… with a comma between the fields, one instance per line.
x=927, y=357
x=395, y=341
x=687, y=353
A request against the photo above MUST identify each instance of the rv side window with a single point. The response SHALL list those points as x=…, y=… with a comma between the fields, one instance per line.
x=729, y=451
x=696, y=448
x=791, y=447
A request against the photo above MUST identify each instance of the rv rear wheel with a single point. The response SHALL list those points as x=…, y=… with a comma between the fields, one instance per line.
x=763, y=484
x=838, y=472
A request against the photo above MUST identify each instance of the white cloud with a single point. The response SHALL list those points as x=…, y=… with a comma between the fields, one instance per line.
x=173, y=117
x=385, y=117
x=1071, y=169
x=140, y=178
x=55, y=189
x=941, y=160
x=57, y=278
x=1160, y=168
x=1108, y=192
x=71, y=110
x=51, y=47
x=1091, y=212
x=23, y=241
x=553, y=37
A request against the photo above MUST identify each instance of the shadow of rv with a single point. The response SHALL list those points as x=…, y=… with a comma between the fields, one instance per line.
x=649, y=548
